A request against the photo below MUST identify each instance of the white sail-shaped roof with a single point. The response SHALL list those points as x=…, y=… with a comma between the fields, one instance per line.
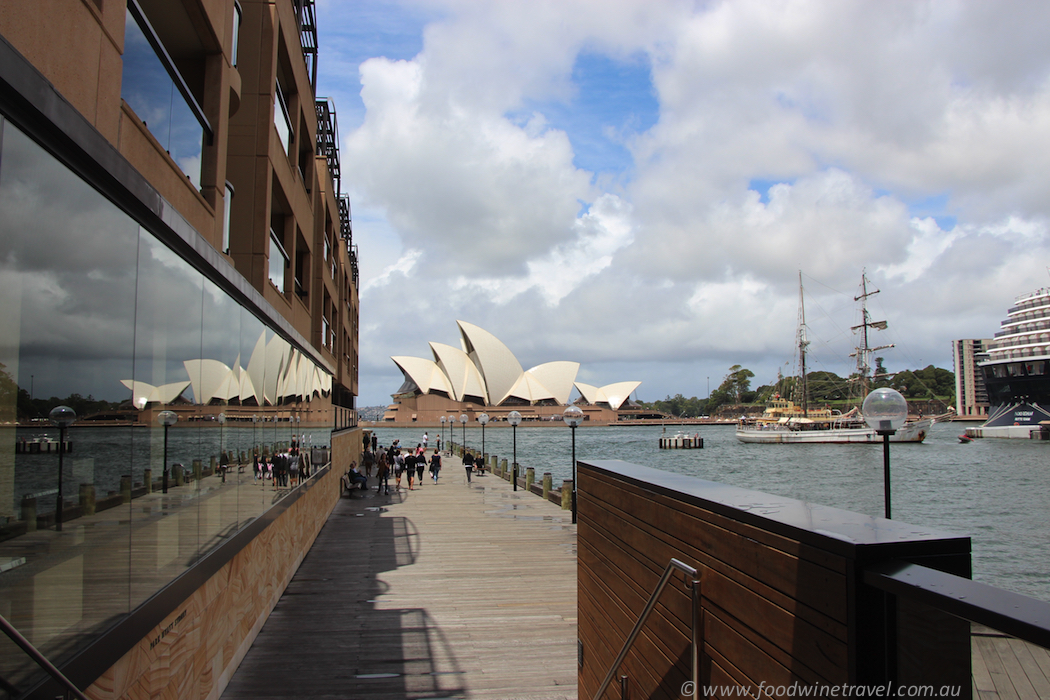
x=589, y=393
x=143, y=393
x=290, y=376
x=557, y=377
x=618, y=393
x=531, y=389
x=209, y=378
x=276, y=358
x=613, y=394
x=424, y=373
x=463, y=375
x=497, y=364
x=257, y=370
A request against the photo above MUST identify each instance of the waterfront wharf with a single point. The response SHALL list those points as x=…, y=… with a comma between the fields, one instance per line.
x=445, y=591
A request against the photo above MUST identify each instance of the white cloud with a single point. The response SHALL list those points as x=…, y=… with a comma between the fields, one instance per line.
x=854, y=112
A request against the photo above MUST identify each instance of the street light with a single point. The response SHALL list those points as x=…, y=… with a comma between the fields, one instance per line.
x=885, y=410
x=167, y=419
x=514, y=418
x=483, y=419
x=573, y=416
x=443, y=421
x=463, y=420
x=222, y=466
x=63, y=417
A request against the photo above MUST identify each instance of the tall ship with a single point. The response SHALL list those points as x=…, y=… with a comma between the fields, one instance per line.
x=785, y=421
x=1017, y=370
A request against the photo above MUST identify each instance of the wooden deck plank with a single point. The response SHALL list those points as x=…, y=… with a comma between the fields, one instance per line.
x=1000, y=678
x=447, y=591
x=982, y=679
x=1033, y=672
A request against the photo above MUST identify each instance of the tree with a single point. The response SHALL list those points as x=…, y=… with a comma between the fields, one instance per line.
x=735, y=388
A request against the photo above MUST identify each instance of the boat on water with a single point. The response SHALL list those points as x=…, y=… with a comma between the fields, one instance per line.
x=1016, y=370
x=784, y=421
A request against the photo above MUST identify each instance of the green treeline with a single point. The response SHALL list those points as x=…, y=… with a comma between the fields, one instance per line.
x=823, y=388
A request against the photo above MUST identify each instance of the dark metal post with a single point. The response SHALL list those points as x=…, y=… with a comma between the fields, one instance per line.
x=514, y=466
x=164, y=478
x=886, y=469
x=574, y=473
x=61, y=451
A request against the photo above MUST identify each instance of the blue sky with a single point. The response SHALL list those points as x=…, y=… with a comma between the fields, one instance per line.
x=636, y=185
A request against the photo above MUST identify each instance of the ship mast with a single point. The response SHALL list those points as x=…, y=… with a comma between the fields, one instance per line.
x=802, y=344
x=864, y=351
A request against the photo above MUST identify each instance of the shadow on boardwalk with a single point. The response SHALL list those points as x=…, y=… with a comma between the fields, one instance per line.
x=447, y=591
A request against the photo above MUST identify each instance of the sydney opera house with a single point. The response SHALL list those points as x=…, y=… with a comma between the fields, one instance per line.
x=484, y=376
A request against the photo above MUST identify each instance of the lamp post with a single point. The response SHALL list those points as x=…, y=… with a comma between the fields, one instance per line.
x=63, y=417
x=885, y=410
x=167, y=419
x=442, y=428
x=483, y=419
x=573, y=416
x=255, y=443
x=514, y=418
x=222, y=465
x=463, y=420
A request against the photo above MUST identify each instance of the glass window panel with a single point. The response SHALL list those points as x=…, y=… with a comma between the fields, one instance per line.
x=282, y=120
x=100, y=315
x=67, y=281
x=278, y=262
x=148, y=88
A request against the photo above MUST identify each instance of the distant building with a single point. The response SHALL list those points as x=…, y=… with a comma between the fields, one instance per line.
x=484, y=376
x=971, y=396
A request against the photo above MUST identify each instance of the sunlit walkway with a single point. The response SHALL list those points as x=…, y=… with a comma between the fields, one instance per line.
x=446, y=591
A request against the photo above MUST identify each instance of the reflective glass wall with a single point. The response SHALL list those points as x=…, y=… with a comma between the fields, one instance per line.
x=98, y=314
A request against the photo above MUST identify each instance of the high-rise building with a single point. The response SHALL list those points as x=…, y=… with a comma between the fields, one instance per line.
x=177, y=267
x=971, y=397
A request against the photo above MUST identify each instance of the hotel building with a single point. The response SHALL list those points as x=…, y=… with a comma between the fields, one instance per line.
x=971, y=396
x=174, y=241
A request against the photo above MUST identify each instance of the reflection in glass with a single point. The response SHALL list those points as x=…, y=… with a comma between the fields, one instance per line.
x=148, y=89
x=98, y=314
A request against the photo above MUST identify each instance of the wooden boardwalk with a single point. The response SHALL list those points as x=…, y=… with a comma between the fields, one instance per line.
x=1005, y=668
x=447, y=591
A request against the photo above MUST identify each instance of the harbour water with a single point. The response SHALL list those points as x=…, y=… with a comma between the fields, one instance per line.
x=995, y=491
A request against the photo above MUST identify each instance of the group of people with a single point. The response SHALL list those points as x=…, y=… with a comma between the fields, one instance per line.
x=406, y=464
x=284, y=468
x=473, y=464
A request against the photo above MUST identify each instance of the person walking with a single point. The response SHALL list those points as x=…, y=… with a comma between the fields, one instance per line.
x=435, y=465
x=410, y=467
x=382, y=473
x=399, y=468
x=468, y=464
x=421, y=465
x=437, y=443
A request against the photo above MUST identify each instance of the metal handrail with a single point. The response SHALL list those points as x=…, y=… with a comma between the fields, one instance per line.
x=39, y=658
x=694, y=585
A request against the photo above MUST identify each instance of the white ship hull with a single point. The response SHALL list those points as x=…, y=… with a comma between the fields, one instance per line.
x=777, y=433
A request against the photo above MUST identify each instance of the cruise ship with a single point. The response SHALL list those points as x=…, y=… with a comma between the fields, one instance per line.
x=1017, y=370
